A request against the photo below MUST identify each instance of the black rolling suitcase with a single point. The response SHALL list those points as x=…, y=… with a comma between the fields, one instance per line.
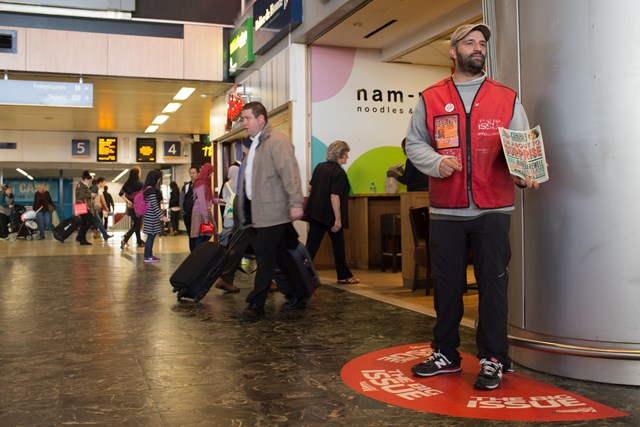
x=197, y=273
x=66, y=228
x=295, y=267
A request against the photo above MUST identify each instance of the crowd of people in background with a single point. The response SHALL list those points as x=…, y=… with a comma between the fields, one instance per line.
x=97, y=211
x=265, y=197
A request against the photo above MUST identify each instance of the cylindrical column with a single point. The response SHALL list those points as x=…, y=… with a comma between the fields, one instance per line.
x=575, y=274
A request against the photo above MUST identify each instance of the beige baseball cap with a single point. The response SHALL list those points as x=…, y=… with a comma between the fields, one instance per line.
x=462, y=31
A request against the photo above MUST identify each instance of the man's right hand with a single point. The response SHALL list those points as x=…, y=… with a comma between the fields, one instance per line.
x=448, y=166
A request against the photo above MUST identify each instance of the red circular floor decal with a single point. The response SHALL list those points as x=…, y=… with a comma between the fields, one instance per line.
x=385, y=375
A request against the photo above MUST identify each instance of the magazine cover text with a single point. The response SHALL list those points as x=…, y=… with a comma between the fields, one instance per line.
x=524, y=152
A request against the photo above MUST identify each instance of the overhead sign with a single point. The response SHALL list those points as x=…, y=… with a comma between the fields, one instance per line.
x=106, y=5
x=49, y=94
x=241, y=48
x=146, y=150
x=107, y=149
x=201, y=151
x=80, y=148
x=172, y=149
x=272, y=20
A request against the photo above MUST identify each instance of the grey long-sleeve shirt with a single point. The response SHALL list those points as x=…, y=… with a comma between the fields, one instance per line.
x=427, y=160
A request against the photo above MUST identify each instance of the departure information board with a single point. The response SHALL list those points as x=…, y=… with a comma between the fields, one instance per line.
x=107, y=149
x=146, y=150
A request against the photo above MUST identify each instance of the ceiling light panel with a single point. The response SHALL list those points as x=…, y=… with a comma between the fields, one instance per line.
x=160, y=119
x=184, y=93
x=171, y=107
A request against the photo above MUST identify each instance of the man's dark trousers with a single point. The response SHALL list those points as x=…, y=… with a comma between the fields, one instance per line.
x=271, y=245
x=488, y=238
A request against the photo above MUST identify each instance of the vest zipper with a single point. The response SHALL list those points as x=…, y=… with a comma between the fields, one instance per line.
x=468, y=130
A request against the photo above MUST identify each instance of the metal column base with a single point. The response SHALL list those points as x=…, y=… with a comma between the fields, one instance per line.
x=612, y=366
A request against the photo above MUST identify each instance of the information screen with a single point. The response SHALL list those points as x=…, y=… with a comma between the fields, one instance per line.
x=146, y=150
x=107, y=149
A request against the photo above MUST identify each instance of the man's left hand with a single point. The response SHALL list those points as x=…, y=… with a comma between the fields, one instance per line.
x=525, y=183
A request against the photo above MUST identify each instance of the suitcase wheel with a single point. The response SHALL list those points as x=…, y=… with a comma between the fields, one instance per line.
x=181, y=293
x=175, y=289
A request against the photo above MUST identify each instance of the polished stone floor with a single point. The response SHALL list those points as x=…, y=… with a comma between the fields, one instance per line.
x=91, y=336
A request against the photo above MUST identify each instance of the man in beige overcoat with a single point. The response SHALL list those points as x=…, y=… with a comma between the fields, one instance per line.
x=270, y=199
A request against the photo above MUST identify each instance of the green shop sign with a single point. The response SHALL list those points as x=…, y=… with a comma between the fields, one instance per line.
x=241, y=48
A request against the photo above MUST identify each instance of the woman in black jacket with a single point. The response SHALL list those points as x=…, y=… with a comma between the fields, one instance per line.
x=327, y=208
x=132, y=185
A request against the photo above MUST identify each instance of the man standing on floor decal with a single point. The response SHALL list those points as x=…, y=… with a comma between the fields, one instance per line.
x=453, y=138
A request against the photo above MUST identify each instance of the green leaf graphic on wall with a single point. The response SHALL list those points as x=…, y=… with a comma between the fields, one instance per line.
x=370, y=167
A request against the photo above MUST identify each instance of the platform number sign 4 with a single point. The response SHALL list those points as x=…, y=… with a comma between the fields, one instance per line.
x=172, y=149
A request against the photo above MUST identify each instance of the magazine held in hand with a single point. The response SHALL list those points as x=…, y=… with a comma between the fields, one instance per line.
x=524, y=152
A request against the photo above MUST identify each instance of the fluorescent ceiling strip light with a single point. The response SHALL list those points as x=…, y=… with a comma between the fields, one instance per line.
x=58, y=11
x=151, y=129
x=120, y=175
x=172, y=107
x=24, y=173
x=160, y=120
x=184, y=93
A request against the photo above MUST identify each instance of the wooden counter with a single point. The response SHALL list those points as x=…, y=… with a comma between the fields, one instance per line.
x=362, y=238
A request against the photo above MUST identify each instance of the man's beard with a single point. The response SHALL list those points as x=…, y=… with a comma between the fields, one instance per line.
x=469, y=65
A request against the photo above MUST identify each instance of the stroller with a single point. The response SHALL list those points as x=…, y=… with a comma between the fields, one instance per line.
x=23, y=222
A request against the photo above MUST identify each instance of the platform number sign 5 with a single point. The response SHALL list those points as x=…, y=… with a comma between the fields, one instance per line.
x=172, y=149
x=80, y=148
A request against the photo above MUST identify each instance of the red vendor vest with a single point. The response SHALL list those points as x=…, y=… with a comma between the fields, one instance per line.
x=474, y=140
